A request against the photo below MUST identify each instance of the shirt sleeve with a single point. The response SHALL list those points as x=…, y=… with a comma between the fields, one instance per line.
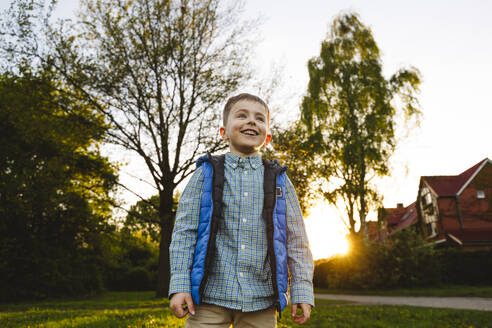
x=184, y=235
x=299, y=257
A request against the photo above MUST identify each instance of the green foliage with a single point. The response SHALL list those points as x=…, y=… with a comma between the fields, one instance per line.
x=54, y=190
x=138, y=279
x=293, y=148
x=143, y=217
x=349, y=115
x=473, y=268
x=405, y=261
x=134, y=262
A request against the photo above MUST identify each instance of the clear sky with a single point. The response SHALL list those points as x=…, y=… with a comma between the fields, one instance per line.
x=448, y=41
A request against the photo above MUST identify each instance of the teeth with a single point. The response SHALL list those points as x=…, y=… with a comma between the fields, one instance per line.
x=250, y=133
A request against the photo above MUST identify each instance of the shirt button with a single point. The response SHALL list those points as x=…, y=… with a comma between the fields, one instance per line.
x=240, y=274
x=244, y=220
x=243, y=246
x=245, y=172
x=245, y=194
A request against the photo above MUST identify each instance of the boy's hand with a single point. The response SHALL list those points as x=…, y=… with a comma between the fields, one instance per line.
x=304, y=316
x=178, y=300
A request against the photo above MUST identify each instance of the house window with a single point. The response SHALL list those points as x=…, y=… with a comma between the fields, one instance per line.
x=480, y=194
x=431, y=229
x=428, y=199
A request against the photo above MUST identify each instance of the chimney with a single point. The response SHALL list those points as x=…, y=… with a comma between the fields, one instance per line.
x=399, y=205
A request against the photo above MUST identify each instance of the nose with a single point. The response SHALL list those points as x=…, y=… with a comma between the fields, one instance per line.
x=251, y=121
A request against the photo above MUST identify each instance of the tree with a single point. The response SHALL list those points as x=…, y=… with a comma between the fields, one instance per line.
x=157, y=70
x=293, y=147
x=144, y=218
x=54, y=191
x=350, y=112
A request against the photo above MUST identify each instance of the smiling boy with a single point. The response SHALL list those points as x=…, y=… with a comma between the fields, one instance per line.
x=239, y=236
x=246, y=127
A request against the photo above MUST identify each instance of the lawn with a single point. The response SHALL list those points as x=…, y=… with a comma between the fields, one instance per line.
x=141, y=309
x=365, y=316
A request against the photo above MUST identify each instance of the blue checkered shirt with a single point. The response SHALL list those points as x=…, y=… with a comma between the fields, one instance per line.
x=240, y=276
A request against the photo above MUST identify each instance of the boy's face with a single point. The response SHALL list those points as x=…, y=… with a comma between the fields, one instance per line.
x=247, y=128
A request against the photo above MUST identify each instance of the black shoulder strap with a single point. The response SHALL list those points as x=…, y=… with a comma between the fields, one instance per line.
x=218, y=188
x=271, y=169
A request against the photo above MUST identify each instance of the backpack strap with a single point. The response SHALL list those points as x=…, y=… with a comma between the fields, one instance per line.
x=271, y=170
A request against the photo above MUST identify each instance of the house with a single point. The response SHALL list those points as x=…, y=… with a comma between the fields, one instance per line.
x=451, y=210
x=456, y=210
x=392, y=220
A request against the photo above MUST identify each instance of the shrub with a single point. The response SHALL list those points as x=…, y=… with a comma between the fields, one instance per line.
x=137, y=279
x=470, y=268
x=135, y=263
x=404, y=261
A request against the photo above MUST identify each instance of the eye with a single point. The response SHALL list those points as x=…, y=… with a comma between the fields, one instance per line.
x=241, y=115
x=261, y=118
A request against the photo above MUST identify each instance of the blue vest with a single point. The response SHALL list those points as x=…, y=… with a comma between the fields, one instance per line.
x=274, y=208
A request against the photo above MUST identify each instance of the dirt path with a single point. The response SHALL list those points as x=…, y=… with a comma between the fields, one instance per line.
x=465, y=303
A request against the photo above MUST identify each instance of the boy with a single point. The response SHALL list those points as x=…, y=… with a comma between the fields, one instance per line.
x=239, y=232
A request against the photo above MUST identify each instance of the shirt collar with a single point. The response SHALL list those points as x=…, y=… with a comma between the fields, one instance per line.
x=234, y=161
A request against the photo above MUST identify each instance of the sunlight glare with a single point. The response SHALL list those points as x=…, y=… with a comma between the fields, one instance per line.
x=326, y=232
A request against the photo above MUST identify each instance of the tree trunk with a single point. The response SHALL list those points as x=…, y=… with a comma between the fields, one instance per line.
x=362, y=195
x=167, y=224
x=351, y=219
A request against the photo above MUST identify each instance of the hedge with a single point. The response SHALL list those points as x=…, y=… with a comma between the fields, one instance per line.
x=406, y=261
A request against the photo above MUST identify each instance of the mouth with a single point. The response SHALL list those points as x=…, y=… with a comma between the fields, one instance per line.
x=249, y=132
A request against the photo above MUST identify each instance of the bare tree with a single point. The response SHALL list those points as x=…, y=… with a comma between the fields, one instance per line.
x=158, y=71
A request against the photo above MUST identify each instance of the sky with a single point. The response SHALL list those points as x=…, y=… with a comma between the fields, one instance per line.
x=449, y=42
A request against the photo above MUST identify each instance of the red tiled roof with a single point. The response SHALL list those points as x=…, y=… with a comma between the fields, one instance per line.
x=449, y=185
x=404, y=220
x=396, y=215
x=474, y=230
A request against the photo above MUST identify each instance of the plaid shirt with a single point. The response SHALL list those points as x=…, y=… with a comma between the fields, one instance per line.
x=240, y=276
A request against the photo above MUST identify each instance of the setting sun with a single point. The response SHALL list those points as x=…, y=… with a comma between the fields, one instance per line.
x=326, y=232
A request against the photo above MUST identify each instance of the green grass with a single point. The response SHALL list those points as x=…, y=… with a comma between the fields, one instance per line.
x=358, y=316
x=447, y=290
x=141, y=309
x=136, y=309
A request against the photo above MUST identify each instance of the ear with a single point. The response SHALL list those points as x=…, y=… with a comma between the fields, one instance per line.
x=267, y=140
x=223, y=134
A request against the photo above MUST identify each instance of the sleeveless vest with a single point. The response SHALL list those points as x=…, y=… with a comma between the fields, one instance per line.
x=274, y=209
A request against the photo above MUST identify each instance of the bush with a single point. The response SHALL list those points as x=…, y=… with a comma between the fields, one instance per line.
x=137, y=279
x=470, y=268
x=135, y=263
x=50, y=273
x=404, y=261
x=413, y=262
